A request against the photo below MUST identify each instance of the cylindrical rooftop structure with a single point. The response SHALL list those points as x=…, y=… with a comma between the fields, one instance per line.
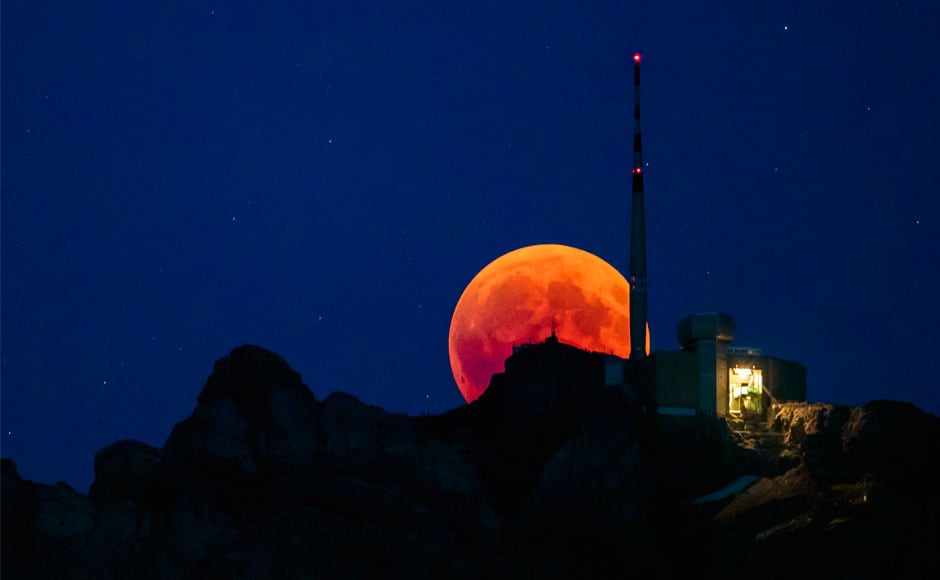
x=706, y=326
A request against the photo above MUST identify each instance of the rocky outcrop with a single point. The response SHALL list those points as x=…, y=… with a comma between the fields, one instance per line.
x=890, y=441
x=547, y=475
x=260, y=481
x=864, y=501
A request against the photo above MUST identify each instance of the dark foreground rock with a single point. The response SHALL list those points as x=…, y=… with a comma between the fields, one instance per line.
x=544, y=476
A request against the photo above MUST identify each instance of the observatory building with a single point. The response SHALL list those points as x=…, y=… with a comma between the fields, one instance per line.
x=707, y=375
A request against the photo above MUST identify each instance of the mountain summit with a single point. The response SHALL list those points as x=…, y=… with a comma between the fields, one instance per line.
x=544, y=475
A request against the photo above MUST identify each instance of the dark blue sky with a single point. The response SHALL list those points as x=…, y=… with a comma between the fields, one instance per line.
x=323, y=179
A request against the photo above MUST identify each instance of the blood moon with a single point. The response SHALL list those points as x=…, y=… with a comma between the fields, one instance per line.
x=514, y=300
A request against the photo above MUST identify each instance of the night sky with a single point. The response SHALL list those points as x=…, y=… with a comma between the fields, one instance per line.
x=324, y=179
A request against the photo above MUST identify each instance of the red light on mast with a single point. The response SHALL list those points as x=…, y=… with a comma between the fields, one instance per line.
x=636, y=57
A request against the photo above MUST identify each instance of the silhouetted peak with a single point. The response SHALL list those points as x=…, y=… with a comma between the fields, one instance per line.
x=253, y=412
x=247, y=374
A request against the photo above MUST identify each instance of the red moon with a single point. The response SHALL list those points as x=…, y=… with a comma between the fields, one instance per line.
x=514, y=298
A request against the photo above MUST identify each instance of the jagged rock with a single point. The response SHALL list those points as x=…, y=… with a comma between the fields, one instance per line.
x=888, y=440
x=797, y=421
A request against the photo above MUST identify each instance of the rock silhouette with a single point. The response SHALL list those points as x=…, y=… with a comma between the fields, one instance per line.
x=545, y=475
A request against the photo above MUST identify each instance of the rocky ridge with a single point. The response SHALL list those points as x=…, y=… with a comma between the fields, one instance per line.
x=543, y=476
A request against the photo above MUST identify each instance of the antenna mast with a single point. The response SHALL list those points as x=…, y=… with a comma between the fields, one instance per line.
x=637, y=232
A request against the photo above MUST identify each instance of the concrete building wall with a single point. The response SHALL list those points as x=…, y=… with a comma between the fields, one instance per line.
x=676, y=379
x=698, y=376
x=721, y=378
x=707, y=351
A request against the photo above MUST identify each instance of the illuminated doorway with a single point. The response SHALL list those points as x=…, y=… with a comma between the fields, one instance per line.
x=744, y=390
